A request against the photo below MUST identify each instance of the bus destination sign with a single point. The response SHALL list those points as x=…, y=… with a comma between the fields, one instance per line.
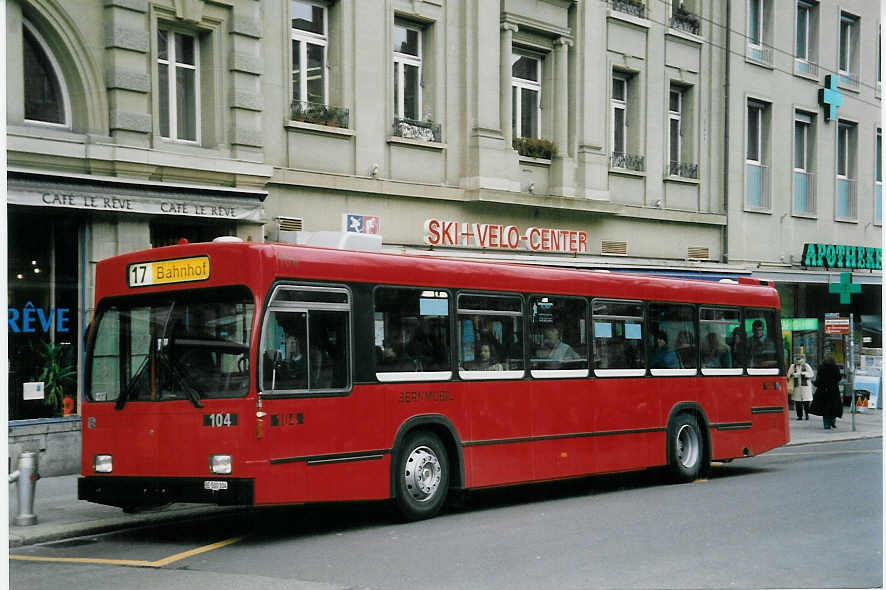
x=179, y=270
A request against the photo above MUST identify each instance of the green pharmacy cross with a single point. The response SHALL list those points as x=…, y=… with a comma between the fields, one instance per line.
x=846, y=288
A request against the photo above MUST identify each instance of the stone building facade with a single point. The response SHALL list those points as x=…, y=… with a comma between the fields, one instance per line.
x=590, y=133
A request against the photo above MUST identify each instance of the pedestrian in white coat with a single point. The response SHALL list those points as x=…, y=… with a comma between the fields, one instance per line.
x=800, y=375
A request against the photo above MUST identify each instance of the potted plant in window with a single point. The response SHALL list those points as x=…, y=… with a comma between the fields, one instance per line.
x=56, y=374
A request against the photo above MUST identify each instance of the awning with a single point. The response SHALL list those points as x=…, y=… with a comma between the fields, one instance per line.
x=117, y=195
x=820, y=276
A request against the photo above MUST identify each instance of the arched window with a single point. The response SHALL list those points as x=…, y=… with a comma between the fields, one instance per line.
x=46, y=98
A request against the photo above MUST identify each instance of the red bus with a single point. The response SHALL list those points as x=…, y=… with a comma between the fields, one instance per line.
x=261, y=374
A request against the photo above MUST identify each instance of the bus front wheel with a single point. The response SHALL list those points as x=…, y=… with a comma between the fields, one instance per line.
x=422, y=476
x=686, y=448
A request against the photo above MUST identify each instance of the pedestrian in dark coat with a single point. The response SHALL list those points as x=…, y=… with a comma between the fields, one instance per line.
x=826, y=402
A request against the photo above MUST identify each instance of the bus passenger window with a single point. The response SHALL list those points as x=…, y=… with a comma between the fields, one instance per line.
x=618, y=338
x=490, y=337
x=558, y=333
x=764, y=340
x=722, y=351
x=411, y=330
x=672, y=337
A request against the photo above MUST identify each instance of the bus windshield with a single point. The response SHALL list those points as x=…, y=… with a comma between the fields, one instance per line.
x=189, y=345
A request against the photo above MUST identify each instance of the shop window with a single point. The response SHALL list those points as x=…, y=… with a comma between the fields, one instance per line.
x=493, y=323
x=412, y=334
x=558, y=337
x=43, y=337
x=618, y=339
x=45, y=94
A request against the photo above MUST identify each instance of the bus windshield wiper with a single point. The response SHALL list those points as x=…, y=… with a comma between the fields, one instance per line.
x=130, y=385
x=193, y=392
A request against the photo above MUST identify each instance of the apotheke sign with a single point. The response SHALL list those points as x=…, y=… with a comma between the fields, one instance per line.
x=441, y=232
x=841, y=256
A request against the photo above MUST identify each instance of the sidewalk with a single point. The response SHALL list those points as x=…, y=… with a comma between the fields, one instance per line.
x=60, y=515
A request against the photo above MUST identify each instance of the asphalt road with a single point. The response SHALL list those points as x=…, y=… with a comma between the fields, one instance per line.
x=799, y=517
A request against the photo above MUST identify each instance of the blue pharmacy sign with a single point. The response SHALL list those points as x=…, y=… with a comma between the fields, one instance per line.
x=30, y=319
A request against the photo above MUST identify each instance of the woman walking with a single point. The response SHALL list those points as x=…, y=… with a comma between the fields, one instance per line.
x=800, y=375
x=826, y=401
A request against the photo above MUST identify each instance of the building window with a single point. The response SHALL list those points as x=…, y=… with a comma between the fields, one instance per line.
x=878, y=181
x=178, y=65
x=804, y=50
x=620, y=109
x=846, y=207
x=879, y=63
x=46, y=98
x=526, y=95
x=756, y=171
x=847, y=65
x=309, y=41
x=675, y=125
x=804, y=177
x=757, y=32
x=407, y=72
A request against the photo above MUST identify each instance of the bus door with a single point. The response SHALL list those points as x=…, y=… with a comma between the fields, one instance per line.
x=317, y=429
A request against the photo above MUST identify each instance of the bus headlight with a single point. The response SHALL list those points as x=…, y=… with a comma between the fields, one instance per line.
x=220, y=464
x=102, y=464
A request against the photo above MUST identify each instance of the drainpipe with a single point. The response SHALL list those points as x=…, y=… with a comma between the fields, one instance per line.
x=725, y=253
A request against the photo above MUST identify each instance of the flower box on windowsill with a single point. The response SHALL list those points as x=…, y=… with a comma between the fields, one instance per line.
x=683, y=20
x=320, y=114
x=532, y=147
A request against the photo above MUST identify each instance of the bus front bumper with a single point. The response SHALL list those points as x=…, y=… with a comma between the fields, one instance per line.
x=131, y=492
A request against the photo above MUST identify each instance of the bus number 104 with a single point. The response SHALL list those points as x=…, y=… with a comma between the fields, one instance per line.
x=219, y=420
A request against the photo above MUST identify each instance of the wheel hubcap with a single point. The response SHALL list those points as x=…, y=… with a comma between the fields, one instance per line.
x=422, y=474
x=687, y=446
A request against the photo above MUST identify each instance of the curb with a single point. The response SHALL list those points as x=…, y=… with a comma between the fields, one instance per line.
x=95, y=527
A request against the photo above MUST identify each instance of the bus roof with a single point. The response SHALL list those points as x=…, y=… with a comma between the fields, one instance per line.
x=258, y=265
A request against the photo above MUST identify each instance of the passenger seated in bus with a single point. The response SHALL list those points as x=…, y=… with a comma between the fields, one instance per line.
x=739, y=346
x=662, y=357
x=394, y=359
x=486, y=359
x=685, y=348
x=761, y=348
x=554, y=349
x=714, y=352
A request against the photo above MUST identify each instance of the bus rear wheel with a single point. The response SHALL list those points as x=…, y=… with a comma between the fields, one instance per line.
x=422, y=476
x=685, y=448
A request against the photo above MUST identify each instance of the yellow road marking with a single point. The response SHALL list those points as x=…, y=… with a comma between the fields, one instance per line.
x=131, y=562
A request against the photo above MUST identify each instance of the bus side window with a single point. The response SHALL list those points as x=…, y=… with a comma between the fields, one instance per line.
x=618, y=336
x=411, y=330
x=764, y=339
x=494, y=324
x=671, y=338
x=558, y=333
